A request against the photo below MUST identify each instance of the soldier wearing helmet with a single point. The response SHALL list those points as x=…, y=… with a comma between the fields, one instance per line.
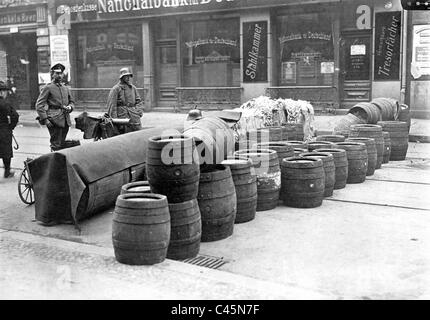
x=124, y=102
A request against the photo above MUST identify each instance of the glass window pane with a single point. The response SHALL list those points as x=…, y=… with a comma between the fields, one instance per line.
x=306, y=49
x=211, y=53
x=102, y=51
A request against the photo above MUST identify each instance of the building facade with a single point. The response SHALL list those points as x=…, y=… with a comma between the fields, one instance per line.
x=24, y=47
x=218, y=54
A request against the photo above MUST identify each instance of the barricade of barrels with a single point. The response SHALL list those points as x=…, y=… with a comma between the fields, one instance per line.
x=184, y=203
x=379, y=109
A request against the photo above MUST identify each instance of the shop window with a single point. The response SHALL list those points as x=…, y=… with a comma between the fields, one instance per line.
x=305, y=50
x=211, y=53
x=102, y=51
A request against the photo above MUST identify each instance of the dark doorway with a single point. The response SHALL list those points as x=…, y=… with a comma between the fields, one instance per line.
x=355, y=63
x=21, y=67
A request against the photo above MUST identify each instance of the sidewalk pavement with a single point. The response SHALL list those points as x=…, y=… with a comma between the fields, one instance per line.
x=419, y=132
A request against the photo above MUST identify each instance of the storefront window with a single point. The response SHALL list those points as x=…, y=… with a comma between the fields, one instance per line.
x=211, y=53
x=103, y=50
x=306, y=50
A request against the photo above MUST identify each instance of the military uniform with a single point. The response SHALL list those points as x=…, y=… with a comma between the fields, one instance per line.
x=124, y=102
x=51, y=104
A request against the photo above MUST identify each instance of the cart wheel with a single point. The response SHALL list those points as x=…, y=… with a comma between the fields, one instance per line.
x=25, y=188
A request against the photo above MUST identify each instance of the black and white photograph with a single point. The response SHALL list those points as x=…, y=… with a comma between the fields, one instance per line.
x=227, y=152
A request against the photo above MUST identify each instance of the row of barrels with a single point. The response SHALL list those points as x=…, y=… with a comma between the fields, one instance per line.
x=382, y=109
x=183, y=203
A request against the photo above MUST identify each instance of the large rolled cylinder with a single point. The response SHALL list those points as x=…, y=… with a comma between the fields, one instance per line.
x=214, y=139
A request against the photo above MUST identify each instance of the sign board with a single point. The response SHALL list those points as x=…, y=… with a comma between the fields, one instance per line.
x=387, y=45
x=420, y=65
x=59, y=46
x=18, y=18
x=255, y=51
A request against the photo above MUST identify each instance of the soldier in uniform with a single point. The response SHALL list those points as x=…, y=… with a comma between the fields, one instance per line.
x=8, y=121
x=53, y=106
x=124, y=102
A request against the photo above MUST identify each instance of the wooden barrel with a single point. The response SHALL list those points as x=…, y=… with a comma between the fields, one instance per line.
x=298, y=144
x=405, y=115
x=341, y=166
x=299, y=129
x=372, y=155
x=275, y=133
x=344, y=123
x=387, y=147
x=298, y=151
x=357, y=160
x=282, y=148
x=329, y=169
x=370, y=131
x=302, y=182
x=136, y=187
x=171, y=167
x=185, y=230
x=319, y=144
x=268, y=174
x=141, y=228
x=331, y=138
x=288, y=132
x=243, y=144
x=367, y=111
x=399, y=138
x=217, y=202
x=388, y=107
x=245, y=182
x=214, y=139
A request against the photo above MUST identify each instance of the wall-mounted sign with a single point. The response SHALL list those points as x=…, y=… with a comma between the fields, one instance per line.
x=420, y=65
x=387, y=45
x=327, y=67
x=87, y=10
x=255, y=51
x=59, y=46
x=17, y=3
x=18, y=18
x=289, y=72
x=358, y=49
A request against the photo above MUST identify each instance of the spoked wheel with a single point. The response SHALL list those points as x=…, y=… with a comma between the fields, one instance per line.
x=25, y=188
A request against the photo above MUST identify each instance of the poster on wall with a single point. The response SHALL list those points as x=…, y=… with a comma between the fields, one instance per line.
x=255, y=51
x=59, y=45
x=387, y=45
x=420, y=65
